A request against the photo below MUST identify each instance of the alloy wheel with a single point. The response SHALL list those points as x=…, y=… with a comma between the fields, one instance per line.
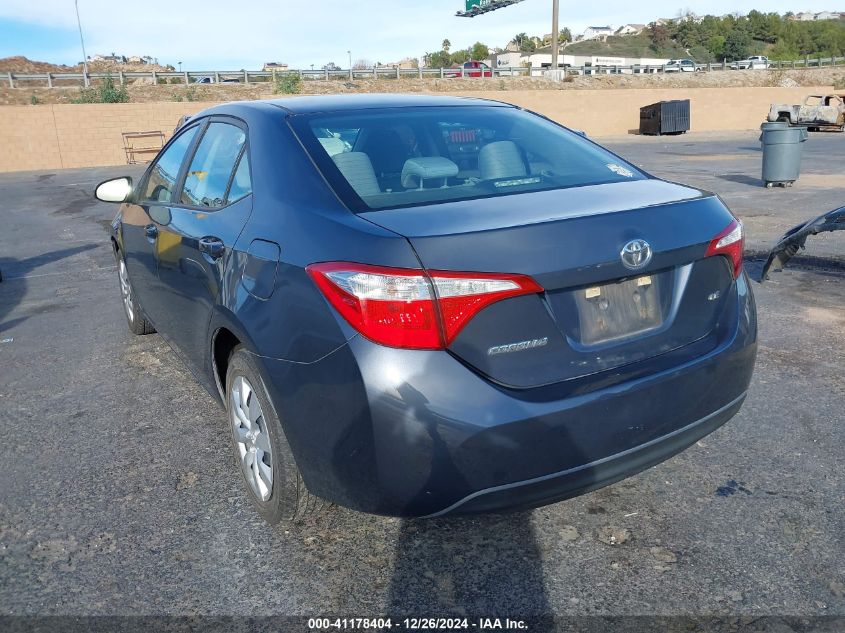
x=252, y=440
x=126, y=291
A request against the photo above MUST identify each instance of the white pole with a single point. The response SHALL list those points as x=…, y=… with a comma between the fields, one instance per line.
x=82, y=41
x=554, y=36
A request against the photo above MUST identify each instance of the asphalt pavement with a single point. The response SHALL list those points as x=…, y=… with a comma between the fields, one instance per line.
x=120, y=496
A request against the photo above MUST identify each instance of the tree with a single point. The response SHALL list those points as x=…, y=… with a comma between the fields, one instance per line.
x=479, y=51
x=446, y=45
x=659, y=35
x=461, y=56
x=526, y=44
x=440, y=59
x=361, y=64
x=737, y=44
x=331, y=66
x=565, y=35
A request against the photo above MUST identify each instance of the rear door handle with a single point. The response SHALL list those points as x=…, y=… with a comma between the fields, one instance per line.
x=151, y=231
x=212, y=246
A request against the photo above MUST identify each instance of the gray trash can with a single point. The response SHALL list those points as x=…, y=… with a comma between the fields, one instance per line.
x=781, y=152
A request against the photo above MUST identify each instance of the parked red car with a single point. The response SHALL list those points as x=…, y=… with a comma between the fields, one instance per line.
x=471, y=68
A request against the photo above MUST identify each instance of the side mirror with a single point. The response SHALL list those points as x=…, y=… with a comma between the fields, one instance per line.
x=114, y=190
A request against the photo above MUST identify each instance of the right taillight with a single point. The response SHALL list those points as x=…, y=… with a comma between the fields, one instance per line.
x=729, y=243
x=412, y=309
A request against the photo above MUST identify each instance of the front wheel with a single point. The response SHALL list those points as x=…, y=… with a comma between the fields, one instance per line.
x=273, y=481
x=135, y=318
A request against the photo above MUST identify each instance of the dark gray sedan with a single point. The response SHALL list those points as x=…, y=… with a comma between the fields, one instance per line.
x=424, y=305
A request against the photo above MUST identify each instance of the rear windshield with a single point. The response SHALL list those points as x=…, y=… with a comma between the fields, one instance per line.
x=378, y=159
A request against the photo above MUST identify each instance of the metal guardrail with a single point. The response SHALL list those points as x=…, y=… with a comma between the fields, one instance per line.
x=259, y=76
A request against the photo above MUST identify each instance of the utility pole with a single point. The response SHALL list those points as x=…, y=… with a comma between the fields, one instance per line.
x=82, y=41
x=555, y=32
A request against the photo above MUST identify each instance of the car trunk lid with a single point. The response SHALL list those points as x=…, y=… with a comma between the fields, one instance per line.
x=595, y=314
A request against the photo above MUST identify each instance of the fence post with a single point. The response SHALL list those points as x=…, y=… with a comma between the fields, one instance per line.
x=246, y=77
x=397, y=72
x=49, y=80
x=216, y=77
x=120, y=77
x=327, y=73
x=186, y=77
x=441, y=75
x=155, y=79
x=350, y=73
x=11, y=82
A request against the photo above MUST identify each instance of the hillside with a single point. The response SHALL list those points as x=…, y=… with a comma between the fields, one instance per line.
x=23, y=65
x=627, y=46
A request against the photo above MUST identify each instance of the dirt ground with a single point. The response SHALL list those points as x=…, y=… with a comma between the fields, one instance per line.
x=36, y=93
x=120, y=495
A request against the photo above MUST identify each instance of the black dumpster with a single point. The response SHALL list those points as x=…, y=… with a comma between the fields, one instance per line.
x=665, y=117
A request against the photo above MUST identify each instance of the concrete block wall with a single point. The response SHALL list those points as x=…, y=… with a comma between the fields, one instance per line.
x=89, y=135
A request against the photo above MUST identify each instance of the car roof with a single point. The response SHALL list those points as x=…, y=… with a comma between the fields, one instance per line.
x=340, y=103
x=337, y=103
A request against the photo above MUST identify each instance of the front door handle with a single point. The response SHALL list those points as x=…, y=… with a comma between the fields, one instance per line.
x=212, y=246
x=151, y=231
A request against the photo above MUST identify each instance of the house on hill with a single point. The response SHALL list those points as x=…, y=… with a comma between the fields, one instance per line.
x=630, y=29
x=596, y=32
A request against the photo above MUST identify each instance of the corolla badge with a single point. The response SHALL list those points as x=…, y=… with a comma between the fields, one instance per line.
x=636, y=254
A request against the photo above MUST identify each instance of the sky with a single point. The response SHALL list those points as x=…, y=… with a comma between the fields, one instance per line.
x=222, y=35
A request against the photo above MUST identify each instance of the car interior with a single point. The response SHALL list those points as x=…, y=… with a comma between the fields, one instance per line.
x=396, y=161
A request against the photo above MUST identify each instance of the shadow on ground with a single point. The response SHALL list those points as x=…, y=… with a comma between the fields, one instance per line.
x=14, y=285
x=742, y=179
x=468, y=566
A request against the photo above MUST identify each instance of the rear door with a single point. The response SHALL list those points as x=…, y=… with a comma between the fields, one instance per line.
x=198, y=232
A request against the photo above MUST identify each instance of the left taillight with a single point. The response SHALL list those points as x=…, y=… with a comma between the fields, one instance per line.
x=413, y=309
x=729, y=243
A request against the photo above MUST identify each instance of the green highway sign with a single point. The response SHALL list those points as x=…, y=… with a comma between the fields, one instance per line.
x=478, y=7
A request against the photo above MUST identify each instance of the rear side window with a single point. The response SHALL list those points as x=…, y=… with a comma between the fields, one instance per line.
x=378, y=159
x=211, y=168
x=165, y=171
x=241, y=182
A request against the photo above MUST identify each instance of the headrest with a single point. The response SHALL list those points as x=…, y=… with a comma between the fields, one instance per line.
x=358, y=171
x=416, y=170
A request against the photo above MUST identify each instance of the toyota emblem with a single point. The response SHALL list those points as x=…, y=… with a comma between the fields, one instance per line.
x=636, y=254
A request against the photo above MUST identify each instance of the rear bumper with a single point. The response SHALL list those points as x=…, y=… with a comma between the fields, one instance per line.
x=417, y=433
x=582, y=479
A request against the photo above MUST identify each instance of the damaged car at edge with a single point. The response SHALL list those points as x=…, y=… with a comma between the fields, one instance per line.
x=795, y=239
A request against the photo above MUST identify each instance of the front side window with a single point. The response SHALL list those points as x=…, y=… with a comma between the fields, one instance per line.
x=211, y=168
x=162, y=181
x=410, y=156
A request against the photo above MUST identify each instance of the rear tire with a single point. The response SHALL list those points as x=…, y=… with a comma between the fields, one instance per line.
x=262, y=453
x=135, y=318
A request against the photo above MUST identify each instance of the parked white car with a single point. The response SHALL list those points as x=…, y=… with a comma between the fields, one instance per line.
x=755, y=62
x=680, y=66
